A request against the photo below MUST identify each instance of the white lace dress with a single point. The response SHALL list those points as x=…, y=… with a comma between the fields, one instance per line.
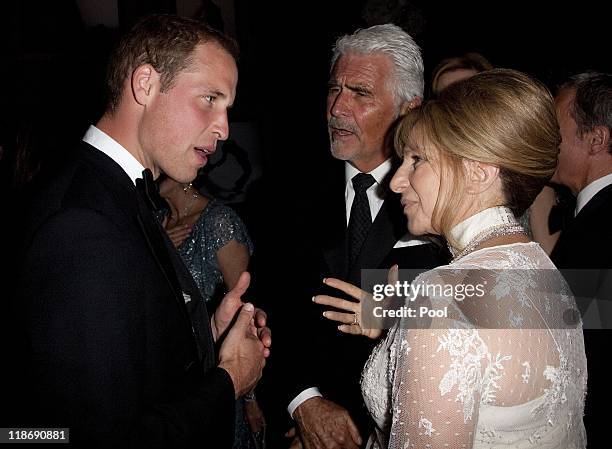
x=500, y=371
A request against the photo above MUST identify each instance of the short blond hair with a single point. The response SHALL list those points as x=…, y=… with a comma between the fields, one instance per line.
x=500, y=117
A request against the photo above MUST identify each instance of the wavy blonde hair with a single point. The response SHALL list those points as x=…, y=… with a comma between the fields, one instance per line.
x=500, y=117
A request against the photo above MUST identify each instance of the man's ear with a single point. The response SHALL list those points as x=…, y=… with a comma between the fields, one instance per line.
x=145, y=80
x=599, y=139
x=407, y=105
x=480, y=176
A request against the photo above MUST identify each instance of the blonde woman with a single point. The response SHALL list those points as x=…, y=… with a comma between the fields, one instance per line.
x=505, y=368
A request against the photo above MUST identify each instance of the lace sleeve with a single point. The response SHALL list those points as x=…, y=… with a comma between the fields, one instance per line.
x=435, y=399
x=222, y=225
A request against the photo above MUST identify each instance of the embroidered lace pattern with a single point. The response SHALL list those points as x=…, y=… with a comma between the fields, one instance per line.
x=503, y=371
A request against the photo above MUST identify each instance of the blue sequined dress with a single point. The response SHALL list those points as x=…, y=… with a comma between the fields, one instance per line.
x=216, y=227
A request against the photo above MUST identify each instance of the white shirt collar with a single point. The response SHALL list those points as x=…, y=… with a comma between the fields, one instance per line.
x=115, y=151
x=464, y=232
x=378, y=173
x=591, y=190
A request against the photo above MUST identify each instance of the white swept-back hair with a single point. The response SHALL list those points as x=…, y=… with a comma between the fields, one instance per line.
x=391, y=40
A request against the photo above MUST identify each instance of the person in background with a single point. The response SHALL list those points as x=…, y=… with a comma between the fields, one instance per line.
x=535, y=220
x=451, y=70
x=215, y=246
x=584, y=111
x=211, y=238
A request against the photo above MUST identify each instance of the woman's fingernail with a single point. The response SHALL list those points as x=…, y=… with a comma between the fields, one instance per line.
x=325, y=314
x=313, y=298
x=325, y=280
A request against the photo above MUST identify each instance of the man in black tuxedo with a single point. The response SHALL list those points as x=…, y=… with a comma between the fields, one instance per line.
x=377, y=74
x=121, y=348
x=584, y=111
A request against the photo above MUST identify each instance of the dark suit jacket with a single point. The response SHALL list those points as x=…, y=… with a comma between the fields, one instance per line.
x=329, y=359
x=112, y=352
x=583, y=254
x=585, y=242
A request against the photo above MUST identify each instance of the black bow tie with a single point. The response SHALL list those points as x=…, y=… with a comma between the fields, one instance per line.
x=149, y=191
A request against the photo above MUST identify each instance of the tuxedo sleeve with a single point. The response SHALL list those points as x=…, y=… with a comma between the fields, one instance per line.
x=109, y=354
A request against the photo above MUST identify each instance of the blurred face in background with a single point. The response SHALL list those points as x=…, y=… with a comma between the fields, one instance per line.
x=452, y=76
x=572, y=169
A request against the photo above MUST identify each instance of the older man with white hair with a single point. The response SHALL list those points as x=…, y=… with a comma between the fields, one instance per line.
x=376, y=75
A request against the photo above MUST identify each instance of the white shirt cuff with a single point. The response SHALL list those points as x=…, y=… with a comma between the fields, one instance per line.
x=303, y=396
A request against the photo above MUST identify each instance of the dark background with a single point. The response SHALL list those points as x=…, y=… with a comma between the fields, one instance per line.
x=52, y=74
x=53, y=65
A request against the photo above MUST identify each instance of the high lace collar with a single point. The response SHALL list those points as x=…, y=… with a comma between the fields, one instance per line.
x=484, y=223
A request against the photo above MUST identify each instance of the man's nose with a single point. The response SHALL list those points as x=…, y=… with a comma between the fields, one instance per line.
x=339, y=103
x=221, y=126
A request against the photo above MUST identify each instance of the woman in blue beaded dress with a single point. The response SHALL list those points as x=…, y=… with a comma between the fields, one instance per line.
x=216, y=248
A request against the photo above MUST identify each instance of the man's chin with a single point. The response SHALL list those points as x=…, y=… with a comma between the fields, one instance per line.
x=342, y=153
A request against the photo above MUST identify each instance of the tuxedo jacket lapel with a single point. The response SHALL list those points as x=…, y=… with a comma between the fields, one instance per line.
x=181, y=282
x=194, y=304
x=123, y=190
x=335, y=246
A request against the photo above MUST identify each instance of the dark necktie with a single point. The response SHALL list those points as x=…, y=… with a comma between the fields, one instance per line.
x=361, y=218
x=150, y=192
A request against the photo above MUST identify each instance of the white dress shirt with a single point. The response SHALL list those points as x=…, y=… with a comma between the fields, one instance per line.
x=109, y=146
x=374, y=193
x=591, y=190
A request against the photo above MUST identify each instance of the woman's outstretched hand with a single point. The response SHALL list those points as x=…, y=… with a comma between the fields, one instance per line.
x=350, y=318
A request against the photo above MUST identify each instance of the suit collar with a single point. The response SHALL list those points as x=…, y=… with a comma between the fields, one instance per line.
x=114, y=150
x=594, y=211
x=599, y=199
x=379, y=173
x=591, y=201
x=114, y=178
